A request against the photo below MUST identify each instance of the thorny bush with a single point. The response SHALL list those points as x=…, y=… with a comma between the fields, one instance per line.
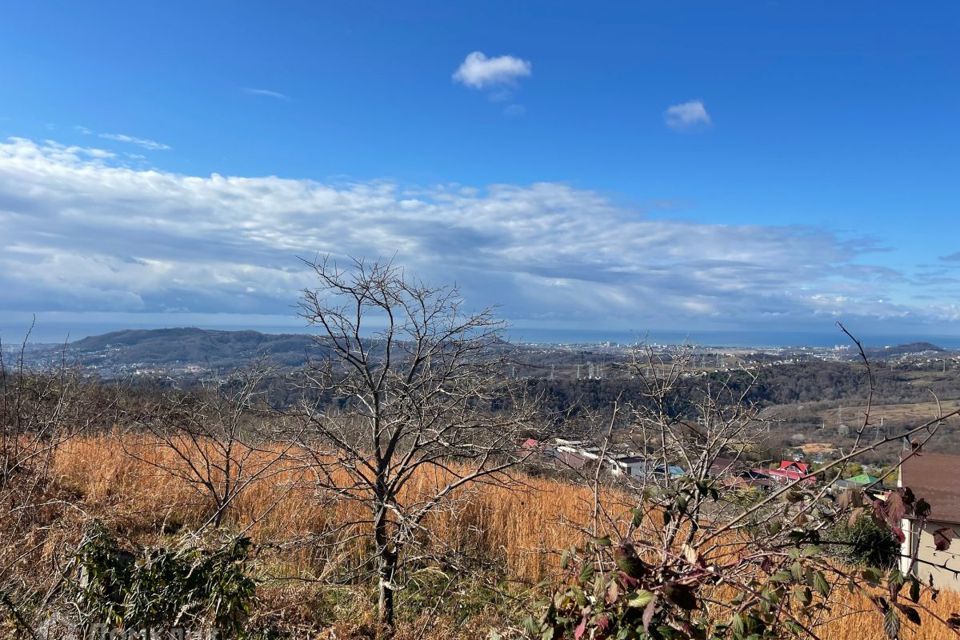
x=771, y=579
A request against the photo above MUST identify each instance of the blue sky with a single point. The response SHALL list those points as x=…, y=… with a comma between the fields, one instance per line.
x=631, y=166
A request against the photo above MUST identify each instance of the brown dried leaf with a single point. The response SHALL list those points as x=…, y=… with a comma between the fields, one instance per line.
x=941, y=538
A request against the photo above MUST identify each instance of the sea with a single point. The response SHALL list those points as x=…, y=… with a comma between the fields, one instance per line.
x=730, y=338
x=63, y=330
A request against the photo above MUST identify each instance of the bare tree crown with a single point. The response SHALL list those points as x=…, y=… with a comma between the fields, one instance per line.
x=417, y=394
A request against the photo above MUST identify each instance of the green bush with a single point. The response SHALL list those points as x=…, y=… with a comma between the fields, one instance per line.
x=186, y=586
x=865, y=543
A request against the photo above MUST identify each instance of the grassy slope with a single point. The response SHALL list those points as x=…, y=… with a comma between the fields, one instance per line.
x=513, y=535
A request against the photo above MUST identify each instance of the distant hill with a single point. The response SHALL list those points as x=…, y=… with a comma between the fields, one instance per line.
x=182, y=350
x=186, y=346
x=903, y=349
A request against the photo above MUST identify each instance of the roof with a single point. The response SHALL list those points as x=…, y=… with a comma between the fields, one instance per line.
x=571, y=460
x=935, y=478
x=786, y=465
x=791, y=475
x=722, y=464
x=864, y=478
x=757, y=477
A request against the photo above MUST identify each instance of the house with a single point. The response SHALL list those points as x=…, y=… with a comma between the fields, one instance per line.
x=757, y=478
x=935, y=477
x=723, y=466
x=794, y=465
x=629, y=465
x=575, y=454
x=865, y=480
x=643, y=467
x=791, y=471
x=871, y=484
x=734, y=474
x=578, y=454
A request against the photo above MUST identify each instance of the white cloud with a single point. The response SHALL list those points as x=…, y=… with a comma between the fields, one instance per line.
x=687, y=116
x=152, y=145
x=83, y=233
x=480, y=72
x=267, y=93
x=146, y=143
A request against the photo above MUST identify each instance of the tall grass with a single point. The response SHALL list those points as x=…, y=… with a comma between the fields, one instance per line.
x=525, y=523
x=521, y=527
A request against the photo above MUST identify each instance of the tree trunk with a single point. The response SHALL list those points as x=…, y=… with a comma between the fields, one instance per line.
x=386, y=568
x=385, y=604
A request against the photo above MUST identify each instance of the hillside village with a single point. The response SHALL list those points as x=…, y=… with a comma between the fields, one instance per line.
x=930, y=545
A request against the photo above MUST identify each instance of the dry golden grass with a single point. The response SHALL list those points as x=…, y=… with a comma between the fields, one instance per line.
x=523, y=527
x=857, y=620
x=525, y=524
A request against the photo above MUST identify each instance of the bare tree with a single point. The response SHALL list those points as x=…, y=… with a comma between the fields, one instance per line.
x=219, y=438
x=418, y=399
